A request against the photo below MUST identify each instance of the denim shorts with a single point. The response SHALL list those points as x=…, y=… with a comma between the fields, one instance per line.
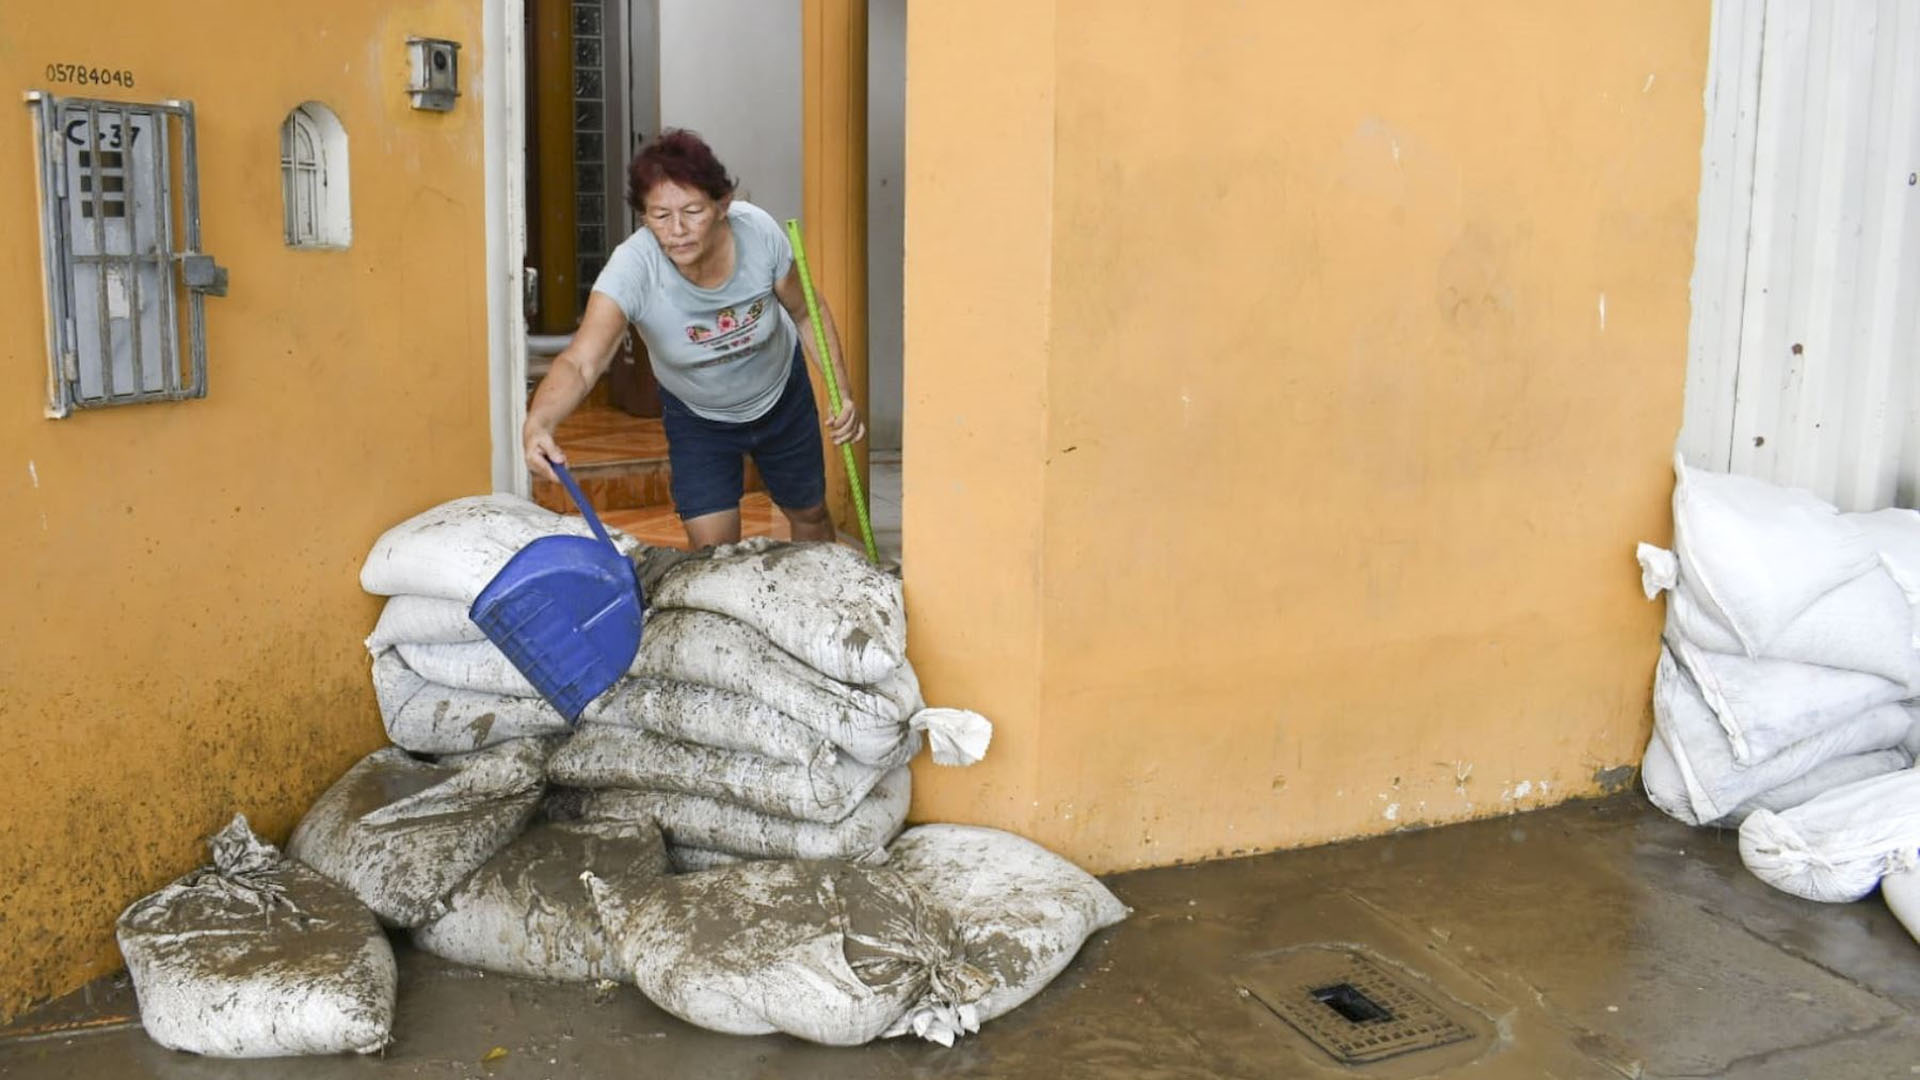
x=708, y=456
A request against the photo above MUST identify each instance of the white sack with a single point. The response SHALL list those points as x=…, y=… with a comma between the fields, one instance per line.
x=869, y=723
x=1895, y=534
x=453, y=550
x=401, y=834
x=1902, y=891
x=1864, y=625
x=709, y=716
x=1714, y=782
x=422, y=620
x=468, y=665
x=527, y=913
x=1760, y=555
x=1836, y=847
x=1824, y=777
x=258, y=956
x=1661, y=779
x=1765, y=706
x=427, y=718
x=824, y=951
x=701, y=822
x=1022, y=911
x=609, y=756
x=822, y=602
x=479, y=666
x=1667, y=789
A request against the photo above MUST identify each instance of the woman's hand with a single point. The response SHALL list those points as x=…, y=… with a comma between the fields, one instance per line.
x=847, y=427
x=541, y=449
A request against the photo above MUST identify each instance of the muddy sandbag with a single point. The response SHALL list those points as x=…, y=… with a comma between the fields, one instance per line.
x=1837, y=846
x=1713, y=782
x=716, y=825
x=258, y=956
x=610, y=756
x=822, y=602
x=709, y=716
x=1022, y=912
x=527, y=913
x=402, y=834
x=825, y=951
x=428, y=718
x=422, y=619
x=868, y=722
x=452, y=550
x=692, y=860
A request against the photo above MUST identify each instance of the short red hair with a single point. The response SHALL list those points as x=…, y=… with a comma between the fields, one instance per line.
x=681, y=156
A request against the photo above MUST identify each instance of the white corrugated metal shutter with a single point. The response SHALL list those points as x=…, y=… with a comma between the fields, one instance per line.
x=1803, y=349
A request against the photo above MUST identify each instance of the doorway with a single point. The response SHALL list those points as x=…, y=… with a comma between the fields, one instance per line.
x=601, y=76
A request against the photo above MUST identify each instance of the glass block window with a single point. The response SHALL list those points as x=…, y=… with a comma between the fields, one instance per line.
x=589, y=143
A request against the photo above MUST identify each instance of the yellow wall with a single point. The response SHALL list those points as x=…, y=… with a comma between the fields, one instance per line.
x=1273, y=472
x=181, y=638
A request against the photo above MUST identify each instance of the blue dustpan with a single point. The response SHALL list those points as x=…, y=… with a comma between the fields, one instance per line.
x=566, y=610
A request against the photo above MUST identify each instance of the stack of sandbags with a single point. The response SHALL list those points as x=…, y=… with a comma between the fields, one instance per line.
x=442, y=686
x=1789, y=644
x=772, y=711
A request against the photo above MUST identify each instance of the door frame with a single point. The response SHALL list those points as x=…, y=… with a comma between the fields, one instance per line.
x=503, y=91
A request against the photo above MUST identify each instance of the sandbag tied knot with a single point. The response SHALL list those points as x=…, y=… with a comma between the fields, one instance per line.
x=243, y=870
x=917, y=942
x=951, y=1006
x=1659, y=569
x=957, y=736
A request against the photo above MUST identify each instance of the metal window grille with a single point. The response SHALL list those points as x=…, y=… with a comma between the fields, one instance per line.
x=303, y=175
x=109, y=175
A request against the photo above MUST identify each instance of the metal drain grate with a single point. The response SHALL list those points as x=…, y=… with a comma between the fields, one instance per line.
x=1349, y=1006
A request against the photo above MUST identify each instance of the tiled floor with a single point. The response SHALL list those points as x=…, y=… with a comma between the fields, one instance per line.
x=597, y=434
x=883, y=499
x=659, y=526
x=620, y=462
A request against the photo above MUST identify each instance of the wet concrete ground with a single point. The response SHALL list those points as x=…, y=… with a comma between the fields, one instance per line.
x=1595, y=940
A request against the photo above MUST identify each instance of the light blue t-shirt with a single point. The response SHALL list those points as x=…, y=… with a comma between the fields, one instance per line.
x=725, y=351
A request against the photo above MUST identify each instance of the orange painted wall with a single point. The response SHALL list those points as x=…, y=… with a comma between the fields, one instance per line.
x=181, y=632
x=1286, y=387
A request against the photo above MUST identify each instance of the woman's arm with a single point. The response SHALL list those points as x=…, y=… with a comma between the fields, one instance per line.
x=847, y=426
x=573, y=374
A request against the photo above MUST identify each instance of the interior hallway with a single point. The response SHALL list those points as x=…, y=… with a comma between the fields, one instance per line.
x=620, y=462
x=1593, y=940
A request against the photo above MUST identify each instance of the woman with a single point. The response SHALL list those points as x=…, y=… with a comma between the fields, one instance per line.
x=710, y=287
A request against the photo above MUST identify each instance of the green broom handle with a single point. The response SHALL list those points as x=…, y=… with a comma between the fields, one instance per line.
x=833, y=386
